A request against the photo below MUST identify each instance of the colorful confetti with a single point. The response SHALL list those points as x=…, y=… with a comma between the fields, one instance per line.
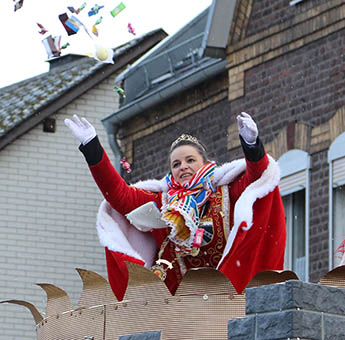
x=18, y=5
x=74, y=23
x=120, y=91
x=43, y=30
x=52, y=46
x=94, y=10
x=63, y=18
x=130, y=29
x=120, y=7
x=77, y=11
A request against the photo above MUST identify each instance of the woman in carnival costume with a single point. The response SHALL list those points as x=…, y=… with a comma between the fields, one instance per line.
x=228, y=217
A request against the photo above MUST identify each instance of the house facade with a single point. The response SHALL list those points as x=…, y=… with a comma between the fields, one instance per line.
x=48, y=199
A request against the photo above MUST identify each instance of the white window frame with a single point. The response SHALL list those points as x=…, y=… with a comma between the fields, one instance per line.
x=295, y=2
x=295, y=175
x=336, y=156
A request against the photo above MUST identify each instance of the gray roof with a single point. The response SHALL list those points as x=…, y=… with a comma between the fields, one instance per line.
x=196, y=53
x=20, y=100
x=28, y=98
x=168, y=60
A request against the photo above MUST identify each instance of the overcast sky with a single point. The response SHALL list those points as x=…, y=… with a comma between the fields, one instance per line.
x=23, y=54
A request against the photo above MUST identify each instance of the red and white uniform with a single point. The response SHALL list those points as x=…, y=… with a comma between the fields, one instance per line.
x=245, y=218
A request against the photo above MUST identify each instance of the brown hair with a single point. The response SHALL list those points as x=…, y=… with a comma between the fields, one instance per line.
x=200, y=147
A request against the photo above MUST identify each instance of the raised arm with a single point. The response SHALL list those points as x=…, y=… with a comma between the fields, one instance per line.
x=254, y=152
x=116, y=191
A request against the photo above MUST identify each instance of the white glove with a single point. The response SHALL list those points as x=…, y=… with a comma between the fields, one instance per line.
x=81, y=129
x=247, y=128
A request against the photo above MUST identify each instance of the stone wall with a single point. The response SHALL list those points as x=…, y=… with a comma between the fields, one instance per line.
x=291, y=310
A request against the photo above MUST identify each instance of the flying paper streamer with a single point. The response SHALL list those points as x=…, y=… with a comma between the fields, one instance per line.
x=99, y=20
x=94, y=10
x=52, y=46
x=77, y=11
x=74, y=23
x=18, y=5
x=65, y=45
x=94, y=28
x=130, y=29
x=43, y=30
x=120, y=91
x=82, y=7
x=63, y=18
x=120, y=7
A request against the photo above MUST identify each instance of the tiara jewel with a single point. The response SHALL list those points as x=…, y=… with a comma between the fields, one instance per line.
x=186, y=137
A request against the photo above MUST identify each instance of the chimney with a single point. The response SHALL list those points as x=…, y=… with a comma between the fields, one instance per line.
x=63, y=60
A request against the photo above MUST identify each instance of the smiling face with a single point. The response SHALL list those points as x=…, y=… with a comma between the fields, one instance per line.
x=185, y=161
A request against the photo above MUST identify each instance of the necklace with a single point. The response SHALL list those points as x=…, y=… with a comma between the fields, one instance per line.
x=159, y=270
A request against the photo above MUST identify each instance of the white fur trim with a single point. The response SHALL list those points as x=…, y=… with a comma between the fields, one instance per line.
x=153, y=185
x=228, y=172
x=243, y=209
x=117, y=234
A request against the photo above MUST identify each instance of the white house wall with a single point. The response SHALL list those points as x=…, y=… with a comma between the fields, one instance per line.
x=48, y=207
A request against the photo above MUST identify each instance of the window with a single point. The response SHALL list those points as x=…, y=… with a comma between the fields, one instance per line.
x=295, y=254
x=338, y=222
x=336, y=160
x=294, y=188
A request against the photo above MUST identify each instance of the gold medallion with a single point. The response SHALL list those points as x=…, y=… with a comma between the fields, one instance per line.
x=159, y=271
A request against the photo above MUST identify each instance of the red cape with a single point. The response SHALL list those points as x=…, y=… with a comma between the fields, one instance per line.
x=256, y=242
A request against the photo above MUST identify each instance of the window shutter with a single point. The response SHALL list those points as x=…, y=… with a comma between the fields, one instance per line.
x=292, y=183
x=294, y=167
x=338, y=172
x=336, y=160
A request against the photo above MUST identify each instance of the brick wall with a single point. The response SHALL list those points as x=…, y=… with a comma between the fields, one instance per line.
x=208, y=125
x=318, y=238
x=268, y=13
x=298, y=86
x=48, y=207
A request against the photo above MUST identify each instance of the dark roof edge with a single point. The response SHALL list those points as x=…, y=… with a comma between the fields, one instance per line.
x=218, y=28
x=189, y=79
x=63, y=100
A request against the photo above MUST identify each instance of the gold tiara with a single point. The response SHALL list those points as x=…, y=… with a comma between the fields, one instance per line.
x=186, y=137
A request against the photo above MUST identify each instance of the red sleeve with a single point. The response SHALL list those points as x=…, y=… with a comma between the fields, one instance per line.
x=253, y=171
x=116, y=191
